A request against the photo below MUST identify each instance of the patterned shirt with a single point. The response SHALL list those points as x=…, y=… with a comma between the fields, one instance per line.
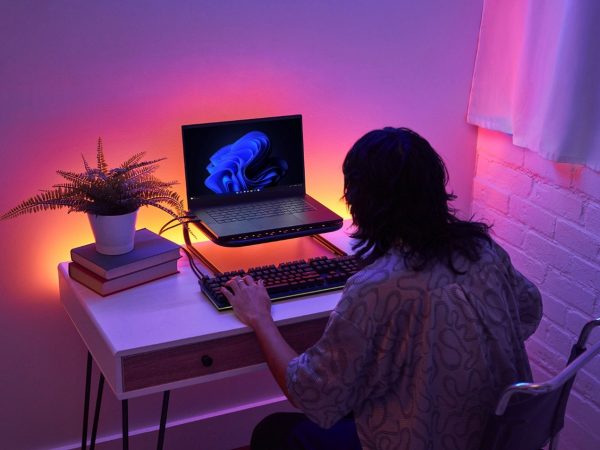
x=420, y=358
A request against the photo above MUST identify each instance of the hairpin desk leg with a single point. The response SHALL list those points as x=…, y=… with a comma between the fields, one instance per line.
x=163, y=420
x=124, y=409
x=86, y=401
x=97, y=411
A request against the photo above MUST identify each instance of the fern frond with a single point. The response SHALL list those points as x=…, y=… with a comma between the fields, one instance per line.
x=52, y=199
x=86, y=166
x=69, y=190
x=149, y=184
x=136, y=175
x=75, y=178
x=102, y=166
x=146, y=163
x=133, y=160
x=168, y=197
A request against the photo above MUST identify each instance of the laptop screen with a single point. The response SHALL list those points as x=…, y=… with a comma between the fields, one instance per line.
x=243, y=160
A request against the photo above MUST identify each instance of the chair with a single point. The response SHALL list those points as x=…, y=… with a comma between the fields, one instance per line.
x=530, y=415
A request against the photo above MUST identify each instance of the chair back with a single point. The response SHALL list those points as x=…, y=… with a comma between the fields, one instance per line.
x=529, y=415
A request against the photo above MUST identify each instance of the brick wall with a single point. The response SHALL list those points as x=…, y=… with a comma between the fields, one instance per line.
x=547, y=216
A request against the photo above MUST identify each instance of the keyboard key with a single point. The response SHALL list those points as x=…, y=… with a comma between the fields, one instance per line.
x=263, y=209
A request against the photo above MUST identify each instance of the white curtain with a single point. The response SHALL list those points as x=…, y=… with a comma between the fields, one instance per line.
x=537, y=76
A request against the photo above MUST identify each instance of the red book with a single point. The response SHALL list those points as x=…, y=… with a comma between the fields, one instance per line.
x=105, y=287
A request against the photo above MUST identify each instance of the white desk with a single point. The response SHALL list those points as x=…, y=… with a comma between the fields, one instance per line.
x=165, y=334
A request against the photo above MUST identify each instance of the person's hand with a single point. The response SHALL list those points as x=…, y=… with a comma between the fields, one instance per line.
x=249, y=299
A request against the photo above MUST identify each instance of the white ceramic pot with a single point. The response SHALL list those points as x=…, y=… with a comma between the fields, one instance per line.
x=114, y=235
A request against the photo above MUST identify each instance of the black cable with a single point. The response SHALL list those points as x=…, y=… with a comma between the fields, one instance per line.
x=180, y=222
x=164, y=227
x=193, y=265
x=189, y=249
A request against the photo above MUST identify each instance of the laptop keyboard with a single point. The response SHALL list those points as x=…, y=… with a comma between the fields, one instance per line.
x=258, y=210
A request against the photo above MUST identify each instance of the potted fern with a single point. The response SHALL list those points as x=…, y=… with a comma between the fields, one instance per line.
x=110, y=197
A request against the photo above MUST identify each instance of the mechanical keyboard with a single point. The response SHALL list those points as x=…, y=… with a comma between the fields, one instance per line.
x=290, y=279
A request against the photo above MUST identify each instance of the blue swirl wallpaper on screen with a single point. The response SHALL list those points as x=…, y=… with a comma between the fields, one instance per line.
x=245, y=165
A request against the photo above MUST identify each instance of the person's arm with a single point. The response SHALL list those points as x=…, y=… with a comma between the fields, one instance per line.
x=277, y=352
x=251, y=304
x=529, y=299
x=530, y=303
x=328, y=379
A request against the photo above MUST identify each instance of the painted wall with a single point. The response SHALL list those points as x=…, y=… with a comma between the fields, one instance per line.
x=547, y=216
x=133, y=73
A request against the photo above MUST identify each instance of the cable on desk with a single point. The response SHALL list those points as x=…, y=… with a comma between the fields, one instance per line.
x=181, y=221
x=190, y=247
x=190, y=251
x=193, y=265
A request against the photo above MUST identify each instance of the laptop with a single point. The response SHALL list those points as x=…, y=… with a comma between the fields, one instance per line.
x=245, y=181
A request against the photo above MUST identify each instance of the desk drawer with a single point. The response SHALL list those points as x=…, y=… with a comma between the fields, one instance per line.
x=204, y=358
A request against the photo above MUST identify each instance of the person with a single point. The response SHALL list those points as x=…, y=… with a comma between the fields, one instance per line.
x=425, y=335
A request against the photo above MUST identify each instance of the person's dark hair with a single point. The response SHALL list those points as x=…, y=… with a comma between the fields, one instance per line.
x=395, y=187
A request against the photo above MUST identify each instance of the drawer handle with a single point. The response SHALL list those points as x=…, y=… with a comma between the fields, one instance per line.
x=207, y=361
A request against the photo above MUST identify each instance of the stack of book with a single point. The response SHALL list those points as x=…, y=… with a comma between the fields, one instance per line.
x=152, y=257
